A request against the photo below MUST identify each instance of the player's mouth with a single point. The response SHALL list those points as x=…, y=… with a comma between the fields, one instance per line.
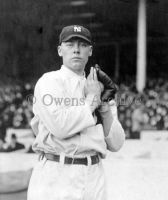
x=76, y=58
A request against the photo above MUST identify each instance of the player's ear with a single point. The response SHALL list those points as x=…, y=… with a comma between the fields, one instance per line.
x=59, y=51
x=90, y=51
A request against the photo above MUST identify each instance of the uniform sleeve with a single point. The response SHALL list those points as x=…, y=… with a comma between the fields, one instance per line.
x=57, y=112
x=116, y=136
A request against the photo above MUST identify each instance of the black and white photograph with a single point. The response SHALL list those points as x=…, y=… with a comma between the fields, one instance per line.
x=83, y=99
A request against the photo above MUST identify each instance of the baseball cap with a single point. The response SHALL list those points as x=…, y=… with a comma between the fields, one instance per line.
x=69, y=32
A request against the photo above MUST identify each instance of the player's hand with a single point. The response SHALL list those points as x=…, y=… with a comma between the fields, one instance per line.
x=93, y=89
x=110, y=88
x=92, y=85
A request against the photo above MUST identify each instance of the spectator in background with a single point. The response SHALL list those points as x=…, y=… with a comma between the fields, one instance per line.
x=1, y=145
x=14, y=144
x=2, y=130
x=138, y=121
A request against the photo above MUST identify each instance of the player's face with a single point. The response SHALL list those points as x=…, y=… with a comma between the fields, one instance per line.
x=75, y=53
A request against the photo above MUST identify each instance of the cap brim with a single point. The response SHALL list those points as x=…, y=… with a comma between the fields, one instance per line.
x=76, y=35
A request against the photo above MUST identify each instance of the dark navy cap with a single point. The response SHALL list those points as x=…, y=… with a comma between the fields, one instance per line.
x=69, y=32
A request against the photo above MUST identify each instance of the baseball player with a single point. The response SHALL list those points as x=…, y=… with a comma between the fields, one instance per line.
x=69, y=138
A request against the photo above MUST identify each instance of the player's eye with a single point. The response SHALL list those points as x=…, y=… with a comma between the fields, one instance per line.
x=83, y=44
x=69, y=44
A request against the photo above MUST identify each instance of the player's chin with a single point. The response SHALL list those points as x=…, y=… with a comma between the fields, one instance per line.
x=78, y=65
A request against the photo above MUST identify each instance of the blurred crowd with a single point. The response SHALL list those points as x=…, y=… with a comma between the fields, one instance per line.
x=143, y=111
x=15, y=106
x=137, y=111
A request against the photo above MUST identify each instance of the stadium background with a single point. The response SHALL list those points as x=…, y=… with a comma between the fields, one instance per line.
x=29, y=33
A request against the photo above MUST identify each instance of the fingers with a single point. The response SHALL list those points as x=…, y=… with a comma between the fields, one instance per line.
x=97, y=66
x=90, y=76
x=93, y=74
x=101, y=86
x=112, y=103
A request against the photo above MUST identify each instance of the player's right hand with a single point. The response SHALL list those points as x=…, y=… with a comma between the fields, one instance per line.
x=92, y=85
x=93, y=89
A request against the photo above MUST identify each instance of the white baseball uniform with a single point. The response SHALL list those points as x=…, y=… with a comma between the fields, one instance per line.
x=64, y=125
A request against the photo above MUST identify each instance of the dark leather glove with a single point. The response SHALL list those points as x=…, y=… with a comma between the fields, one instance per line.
x=110, y=88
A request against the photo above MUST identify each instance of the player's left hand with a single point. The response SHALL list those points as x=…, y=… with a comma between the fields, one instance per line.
x=101, y=86
x=110, y=88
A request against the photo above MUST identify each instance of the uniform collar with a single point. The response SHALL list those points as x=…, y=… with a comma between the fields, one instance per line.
x=70, y=74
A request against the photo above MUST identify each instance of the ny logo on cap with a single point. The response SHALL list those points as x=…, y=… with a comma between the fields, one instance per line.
x=77, y=29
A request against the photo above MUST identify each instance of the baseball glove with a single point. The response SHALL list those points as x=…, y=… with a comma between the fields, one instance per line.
x=110, y=88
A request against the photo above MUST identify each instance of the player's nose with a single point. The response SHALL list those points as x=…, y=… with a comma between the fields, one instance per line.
x=76, y=47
